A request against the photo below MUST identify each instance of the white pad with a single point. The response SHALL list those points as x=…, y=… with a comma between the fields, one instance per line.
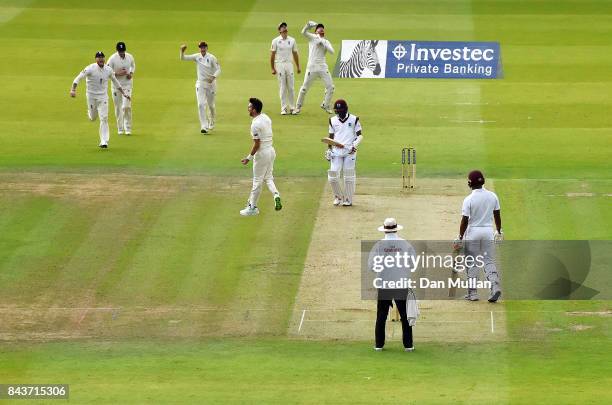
x=332, y=176
x=349, y=184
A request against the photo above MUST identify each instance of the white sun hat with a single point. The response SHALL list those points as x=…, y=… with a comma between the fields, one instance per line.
x=390, y=225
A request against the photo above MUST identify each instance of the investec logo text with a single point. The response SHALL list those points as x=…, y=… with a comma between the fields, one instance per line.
x=464, y=60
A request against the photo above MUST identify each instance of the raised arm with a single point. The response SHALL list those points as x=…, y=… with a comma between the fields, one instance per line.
x=187, y=57
x=305, y=32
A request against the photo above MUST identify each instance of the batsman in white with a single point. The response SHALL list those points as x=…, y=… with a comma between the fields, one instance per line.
x=97, y=75
x=318, y=47
x=479, y=210
x=283, y=48
x=345, y=129
x=208, y=69
x=263, y=155
x=124, y=67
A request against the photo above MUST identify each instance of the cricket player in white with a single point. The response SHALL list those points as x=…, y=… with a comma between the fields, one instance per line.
x=124, y=67
x=97, y=75
x=345, y=129
x=263, y=155
x=206, y=86
x=284, y=48
x=479, y=210
x=318, y=46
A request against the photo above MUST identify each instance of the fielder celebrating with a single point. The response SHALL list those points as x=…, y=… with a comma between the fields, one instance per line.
x=478, y=211
x=318, y=46
x=97, y=75
x=345, y=130
x=283, y=48
x=263, y=155
x=124, y=67
x=208, y=69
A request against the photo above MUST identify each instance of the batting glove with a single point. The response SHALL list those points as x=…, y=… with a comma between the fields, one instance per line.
x=328, y=155
x=411, y=321
x=499, y=236
x=312, y=23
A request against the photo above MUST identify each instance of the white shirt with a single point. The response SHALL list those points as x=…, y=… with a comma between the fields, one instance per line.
x=284, y=49
x=479, y=207
x=344, y=132
x=261, y=128
x=317, y=48
x=207, y=66
x=116, y=62
x=97, y=80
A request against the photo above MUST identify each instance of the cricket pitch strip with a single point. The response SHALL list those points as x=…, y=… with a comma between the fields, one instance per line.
x=430, y=212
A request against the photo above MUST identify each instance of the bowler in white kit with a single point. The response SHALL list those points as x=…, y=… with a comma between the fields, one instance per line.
x=208, y=69
x=282, y=51
x=479, y=210
x=318, y=47
x=262, y=154
x=345, y=129
x=96, y=78
x=124, y=67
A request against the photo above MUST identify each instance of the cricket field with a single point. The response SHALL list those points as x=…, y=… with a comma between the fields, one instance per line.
x=129, y=274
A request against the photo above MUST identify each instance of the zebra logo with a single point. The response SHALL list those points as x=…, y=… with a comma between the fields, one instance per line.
x=364, y=56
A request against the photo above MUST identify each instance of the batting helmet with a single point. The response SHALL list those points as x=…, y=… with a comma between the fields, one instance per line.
x=476, y=179
x=340, y=107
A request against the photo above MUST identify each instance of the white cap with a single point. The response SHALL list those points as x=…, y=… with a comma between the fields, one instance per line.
x=390, y=225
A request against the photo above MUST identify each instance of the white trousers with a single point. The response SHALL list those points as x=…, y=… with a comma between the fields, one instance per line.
x=263, y=167
x=309, y=77
x=342, y=163
x=480, y=241
x=98, y=107
x=205, y=94
x=286, y=82
x=123, y=109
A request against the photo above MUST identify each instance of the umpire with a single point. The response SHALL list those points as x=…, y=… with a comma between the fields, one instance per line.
x=391, y=245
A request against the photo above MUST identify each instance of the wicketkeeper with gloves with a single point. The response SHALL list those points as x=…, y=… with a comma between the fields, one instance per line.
x=479, y=210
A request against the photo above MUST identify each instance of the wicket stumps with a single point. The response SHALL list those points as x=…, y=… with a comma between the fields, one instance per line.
x=408, y=167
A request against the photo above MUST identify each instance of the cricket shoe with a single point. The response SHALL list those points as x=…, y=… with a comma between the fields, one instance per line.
x=104, y=146
x=249, y=211
x=347, y=203
x=120, y=132
x=284, y=111
x=128, y=133
x=471, y=297
x=409, y=349
x=204, y=130
x=337, y=201
x=277, y=203
x=495, y=296
x=378, y=349
x=326, y=109
x=296, y=111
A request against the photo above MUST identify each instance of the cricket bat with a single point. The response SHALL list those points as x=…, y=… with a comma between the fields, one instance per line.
x=331, y=142
x=452, y=290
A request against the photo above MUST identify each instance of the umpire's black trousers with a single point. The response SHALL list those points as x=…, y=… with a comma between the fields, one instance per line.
x=382, y=311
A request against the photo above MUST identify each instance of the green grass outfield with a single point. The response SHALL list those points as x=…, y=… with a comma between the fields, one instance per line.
x=153, y=221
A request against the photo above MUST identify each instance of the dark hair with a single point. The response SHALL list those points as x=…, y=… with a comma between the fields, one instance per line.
x=281, y=25
x=319, y=26
x=256, y=103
